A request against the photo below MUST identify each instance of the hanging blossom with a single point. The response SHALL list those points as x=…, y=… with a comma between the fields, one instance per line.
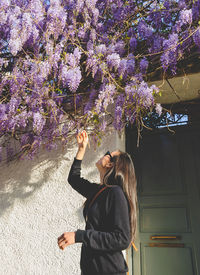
x=169, y=57
x=91, y=4
x=37, y=10
x=92, y=63
x=105, y=98
x=140, y=94
x=90, y=102
x=144, y=30
x=13, y=105
x=101, y=49
x=56, y=18
x=185, y=17
x=113, y=61
x=130, y=65
x=158, y=109
x=93, y=37
x=122, y=67
x=144, y=65
x=4, y=4
x=195, y=10
x=95, y=16
x=118, y=47
x=15, y=43
x=73, y=59
x=139, y=98
x=38, y=122
x=157, y=43
x=71, y=77
x=133, y=43
x=52, y=51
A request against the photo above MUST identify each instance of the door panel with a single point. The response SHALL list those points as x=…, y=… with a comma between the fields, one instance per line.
x=164, y=219
x=173, y=261
x=161, y=166
x=168, y=176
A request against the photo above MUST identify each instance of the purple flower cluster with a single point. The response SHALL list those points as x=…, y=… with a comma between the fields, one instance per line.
x=138, y=98
x=169, y=57
x=158, y=109
x=145, y=31
x=53, y=51
x=90, y=102
x=186, y=17
x=38, y=122
x=71, y=77
x=105, y=98
x=144, y=65
x=130, y=65
x=113, y=61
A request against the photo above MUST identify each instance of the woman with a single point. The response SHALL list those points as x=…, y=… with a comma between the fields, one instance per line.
x=110, y=217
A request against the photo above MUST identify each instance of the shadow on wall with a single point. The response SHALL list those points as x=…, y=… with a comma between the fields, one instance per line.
x=22, y=178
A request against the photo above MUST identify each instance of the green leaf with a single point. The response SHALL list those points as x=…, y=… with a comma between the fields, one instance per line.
x=59, y=90
x=95, y=118
x=100, y=55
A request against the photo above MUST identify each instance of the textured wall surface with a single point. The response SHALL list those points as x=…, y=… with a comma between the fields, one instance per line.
x=37, y=205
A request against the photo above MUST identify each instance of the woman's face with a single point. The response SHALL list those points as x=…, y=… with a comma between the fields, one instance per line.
x=104, y=162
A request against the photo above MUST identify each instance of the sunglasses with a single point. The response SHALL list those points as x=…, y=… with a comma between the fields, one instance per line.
x=109, y=154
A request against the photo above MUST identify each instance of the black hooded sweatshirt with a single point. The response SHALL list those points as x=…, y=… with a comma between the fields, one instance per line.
x=107, y=230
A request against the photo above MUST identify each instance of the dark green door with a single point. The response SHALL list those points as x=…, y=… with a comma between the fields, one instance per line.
x=168, y=173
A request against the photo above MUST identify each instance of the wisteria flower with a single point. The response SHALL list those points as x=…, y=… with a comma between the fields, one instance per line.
x=158, y=109
x=38, y=122
x=144, y=65
x=113, y=61
x=71, y=77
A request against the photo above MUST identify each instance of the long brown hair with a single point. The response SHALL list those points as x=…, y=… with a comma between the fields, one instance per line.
x=123, y=173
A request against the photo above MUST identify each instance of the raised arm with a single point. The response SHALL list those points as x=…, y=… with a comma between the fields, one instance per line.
x=81, y=185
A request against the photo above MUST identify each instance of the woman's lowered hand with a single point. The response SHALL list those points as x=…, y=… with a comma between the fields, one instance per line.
x=66, y=239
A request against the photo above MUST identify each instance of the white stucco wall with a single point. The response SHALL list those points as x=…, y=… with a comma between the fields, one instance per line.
x=37, y=205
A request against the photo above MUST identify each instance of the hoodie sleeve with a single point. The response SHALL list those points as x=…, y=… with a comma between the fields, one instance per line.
x=119, y=236
x=81, y=185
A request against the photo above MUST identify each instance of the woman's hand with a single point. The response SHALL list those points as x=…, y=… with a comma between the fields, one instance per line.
x=82, y=140
x=66, y=239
